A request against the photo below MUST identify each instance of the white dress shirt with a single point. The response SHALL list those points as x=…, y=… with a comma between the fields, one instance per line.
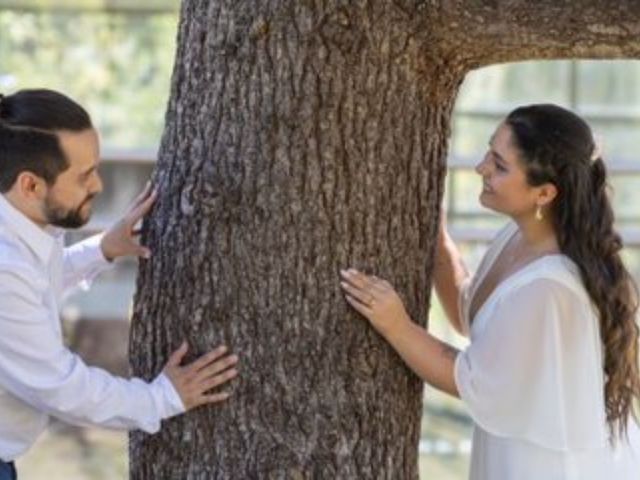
x=39, y=376
x=532, y=377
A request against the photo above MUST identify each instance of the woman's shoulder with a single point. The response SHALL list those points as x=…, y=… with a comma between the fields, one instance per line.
x=557, y=273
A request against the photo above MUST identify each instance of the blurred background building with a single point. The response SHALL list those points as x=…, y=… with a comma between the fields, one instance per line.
x=115, y=57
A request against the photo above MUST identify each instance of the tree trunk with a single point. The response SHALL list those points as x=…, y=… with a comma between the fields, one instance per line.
x=301, y=138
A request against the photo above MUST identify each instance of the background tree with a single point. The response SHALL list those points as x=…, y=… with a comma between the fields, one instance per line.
x=301, y=138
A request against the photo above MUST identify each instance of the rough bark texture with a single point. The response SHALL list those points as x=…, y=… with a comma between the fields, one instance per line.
x=303, y=137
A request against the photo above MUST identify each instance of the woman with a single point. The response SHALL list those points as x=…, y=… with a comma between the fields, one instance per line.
x=551, y=374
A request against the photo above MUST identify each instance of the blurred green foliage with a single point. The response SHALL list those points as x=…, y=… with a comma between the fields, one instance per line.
x=117, y=65
x=102, y=5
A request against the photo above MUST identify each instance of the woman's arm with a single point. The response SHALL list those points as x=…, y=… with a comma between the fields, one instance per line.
x=431, y=359
x=449, y=273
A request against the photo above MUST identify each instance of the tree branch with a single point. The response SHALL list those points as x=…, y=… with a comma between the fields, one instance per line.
x=483, y=32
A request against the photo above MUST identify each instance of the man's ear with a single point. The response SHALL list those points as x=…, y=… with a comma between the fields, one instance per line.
x=30, y=186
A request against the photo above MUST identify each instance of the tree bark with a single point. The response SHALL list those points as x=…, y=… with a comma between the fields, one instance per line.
x=485, y=32
x=304, y=137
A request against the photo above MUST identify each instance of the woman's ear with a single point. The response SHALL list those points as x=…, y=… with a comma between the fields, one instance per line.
x=547, y=193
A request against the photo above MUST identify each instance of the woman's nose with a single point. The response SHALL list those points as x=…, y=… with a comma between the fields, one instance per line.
x=480, y=167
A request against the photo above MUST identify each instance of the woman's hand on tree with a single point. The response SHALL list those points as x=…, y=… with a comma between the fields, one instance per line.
x=194, y=381
x=375, y=299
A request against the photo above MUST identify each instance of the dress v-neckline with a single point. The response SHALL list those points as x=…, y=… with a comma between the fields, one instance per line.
x=506, y=280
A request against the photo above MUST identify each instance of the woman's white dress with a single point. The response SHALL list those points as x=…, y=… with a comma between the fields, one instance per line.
x=532, y=378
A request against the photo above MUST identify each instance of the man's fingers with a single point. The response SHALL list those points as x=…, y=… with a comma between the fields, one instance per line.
x=215, y=397
x=143, y=195
x=213, y=368
x=176, y=357
x=140, y=210
x=216, y=380
x=130, y=246
x=207, y=358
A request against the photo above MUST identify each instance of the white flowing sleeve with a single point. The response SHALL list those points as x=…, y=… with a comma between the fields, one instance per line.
x=535, y=372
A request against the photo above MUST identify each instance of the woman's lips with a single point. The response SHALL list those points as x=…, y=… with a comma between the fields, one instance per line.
x=486, y=188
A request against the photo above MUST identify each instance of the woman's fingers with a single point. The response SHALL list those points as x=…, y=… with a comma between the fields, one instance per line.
x=359, y=306
x=355, y=278
x=360, y=295
x=379, y=285
x=362, y=281
x=372, y=286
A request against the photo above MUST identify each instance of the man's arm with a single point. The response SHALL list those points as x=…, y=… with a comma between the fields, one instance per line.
x=36, y=367
x=84, y=260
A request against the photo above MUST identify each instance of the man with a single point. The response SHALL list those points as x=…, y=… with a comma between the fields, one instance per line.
x=48, y=179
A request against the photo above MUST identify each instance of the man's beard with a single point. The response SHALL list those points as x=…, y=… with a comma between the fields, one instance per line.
x=64, y=217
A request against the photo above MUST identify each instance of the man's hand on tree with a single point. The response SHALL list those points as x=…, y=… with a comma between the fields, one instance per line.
x=120, y=240
x=193, y=382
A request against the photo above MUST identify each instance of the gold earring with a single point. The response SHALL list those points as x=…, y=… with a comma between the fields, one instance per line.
x=539, y=216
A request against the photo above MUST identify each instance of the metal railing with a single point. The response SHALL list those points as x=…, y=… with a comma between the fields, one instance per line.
x=617, y=166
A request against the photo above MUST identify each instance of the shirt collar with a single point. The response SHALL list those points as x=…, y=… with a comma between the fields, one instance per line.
x=40, y=240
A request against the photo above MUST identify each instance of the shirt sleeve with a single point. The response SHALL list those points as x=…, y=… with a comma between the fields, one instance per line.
x=82, y=262
x=36, y=367
x=533, y=372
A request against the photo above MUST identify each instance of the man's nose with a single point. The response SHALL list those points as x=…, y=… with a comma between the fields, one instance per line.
x=97, y=187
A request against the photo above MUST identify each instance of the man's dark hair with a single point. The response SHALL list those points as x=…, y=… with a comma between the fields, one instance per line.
x=29, y=120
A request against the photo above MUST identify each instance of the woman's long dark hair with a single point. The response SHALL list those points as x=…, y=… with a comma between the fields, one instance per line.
x=557, y=147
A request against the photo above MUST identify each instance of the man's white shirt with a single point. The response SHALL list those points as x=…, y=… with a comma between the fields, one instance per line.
x=39, y=376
